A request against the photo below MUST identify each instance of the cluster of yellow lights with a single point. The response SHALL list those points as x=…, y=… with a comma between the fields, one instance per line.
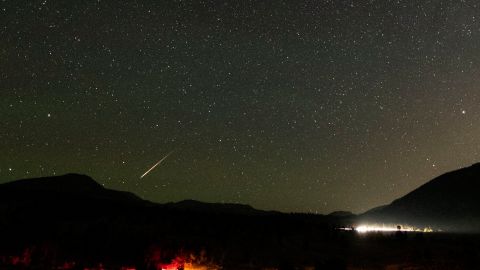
x=385, y=228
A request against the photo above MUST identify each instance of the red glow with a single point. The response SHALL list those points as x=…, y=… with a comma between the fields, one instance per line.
x=15, y=260
x=176, y=264
x=67, y=266
x=155, y=258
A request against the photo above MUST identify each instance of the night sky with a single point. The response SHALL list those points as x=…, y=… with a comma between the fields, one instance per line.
x=306, y=106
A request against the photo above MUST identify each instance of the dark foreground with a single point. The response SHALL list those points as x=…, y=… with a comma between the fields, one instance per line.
x=332, y=250
x=71, y=222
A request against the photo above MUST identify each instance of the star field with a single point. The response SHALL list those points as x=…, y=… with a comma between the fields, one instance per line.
x=307, y=106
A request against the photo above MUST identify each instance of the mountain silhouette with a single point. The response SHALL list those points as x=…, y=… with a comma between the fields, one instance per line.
x=70, y=188
x=216, y=208
x=79, y=196
x=448, y=202
x=341, y=214
x=64, y=183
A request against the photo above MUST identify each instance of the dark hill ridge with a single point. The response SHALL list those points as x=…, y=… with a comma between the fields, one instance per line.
x=64, y=183
x=80, y=192
x=450, y=202
x=341, y=214
x=217, y=208
x=43, y=206
x=61, y=189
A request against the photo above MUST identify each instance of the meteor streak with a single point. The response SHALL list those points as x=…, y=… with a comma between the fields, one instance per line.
x=156, y=164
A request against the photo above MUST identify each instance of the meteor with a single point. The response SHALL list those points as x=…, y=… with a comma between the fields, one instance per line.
x=156, y=164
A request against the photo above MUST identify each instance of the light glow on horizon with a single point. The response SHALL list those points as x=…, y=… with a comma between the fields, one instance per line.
x=386, y=228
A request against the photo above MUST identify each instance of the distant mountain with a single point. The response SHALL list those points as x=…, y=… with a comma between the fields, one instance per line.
x=64, y=183
x=216, y=208
x=341, y=214
x=43, y=206
x=63, y=189
x=79, y=195
x=449, y=202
